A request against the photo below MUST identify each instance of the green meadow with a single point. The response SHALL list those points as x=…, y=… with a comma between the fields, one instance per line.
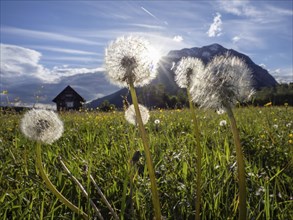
x=104, y=144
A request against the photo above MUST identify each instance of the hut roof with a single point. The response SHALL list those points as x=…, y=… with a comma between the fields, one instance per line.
x=68, y=89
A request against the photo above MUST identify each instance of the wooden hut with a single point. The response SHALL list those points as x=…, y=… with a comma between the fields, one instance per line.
x=68, y=99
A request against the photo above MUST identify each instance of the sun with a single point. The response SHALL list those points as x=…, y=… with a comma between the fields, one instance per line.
x=155, y=54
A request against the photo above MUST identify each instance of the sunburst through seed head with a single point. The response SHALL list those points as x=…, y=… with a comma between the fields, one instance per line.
x=225, y=81
x=188, y=68
x=130, y=60
x=130, y=114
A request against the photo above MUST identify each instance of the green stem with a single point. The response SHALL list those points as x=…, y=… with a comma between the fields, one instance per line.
x=155, y=195
x=52, y=188
x=240, y=165
x=199, y=155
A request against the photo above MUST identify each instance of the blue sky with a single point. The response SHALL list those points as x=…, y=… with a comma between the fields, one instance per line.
x=46, y=45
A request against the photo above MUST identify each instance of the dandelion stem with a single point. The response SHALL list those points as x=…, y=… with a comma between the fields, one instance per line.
x=240, y=165
x=199, y=155
x=155, y=195
x=52, y=188
x=84, y=192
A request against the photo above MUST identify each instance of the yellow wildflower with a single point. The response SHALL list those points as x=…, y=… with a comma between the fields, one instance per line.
x=268, y=104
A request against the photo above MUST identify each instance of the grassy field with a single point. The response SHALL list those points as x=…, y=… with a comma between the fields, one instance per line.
x=105, y=144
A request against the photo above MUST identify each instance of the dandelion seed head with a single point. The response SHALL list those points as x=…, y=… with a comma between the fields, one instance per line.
x=130, y=115
x=225, y=81
x=223, y=123
x=130, y=60
x=221, y=111
x=41, y=125
x=186, y=70
x=157, y=121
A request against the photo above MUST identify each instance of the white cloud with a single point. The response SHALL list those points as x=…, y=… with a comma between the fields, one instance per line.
x=23, y=62
x=284, y=75
x=178, y=38
x=215, y=29
x=263, y=65
x=235, y=39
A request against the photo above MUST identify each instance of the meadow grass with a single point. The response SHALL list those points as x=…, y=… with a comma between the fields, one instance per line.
x=104, y=143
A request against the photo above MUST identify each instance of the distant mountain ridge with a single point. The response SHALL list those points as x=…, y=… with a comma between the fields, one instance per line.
x=167, y=65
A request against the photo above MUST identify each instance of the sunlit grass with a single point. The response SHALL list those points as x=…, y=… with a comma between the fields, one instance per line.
x=105, y=142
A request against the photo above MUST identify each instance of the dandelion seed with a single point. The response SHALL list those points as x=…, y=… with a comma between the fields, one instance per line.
x=41, y=125
x=130, y=115
x=186, y=70
x=131, y=60
x=225, y=81
x=223, y=123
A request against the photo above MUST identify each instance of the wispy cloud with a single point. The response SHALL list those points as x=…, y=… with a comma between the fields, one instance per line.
x=148, y=26
x=64, y=50
x=178, y=38
x=215, y=29
x=152, y=15
x=49, y=36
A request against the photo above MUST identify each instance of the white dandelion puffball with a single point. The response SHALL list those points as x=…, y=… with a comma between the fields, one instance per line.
x=130, y=60
x=225, y=81
x=223, y=123
x=157, y=121
x=186, y=70
x=42, y=125
x=130, y=115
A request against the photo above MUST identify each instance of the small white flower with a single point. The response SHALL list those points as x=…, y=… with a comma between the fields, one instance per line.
x=223, y=123
x=42, y=125
x=260, y=190
x=288, y=124
x=157, y=121
x=130, y=115
x=130, y=60
x=275, y=126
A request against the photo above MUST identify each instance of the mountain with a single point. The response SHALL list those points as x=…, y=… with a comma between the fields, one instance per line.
x=164, y=84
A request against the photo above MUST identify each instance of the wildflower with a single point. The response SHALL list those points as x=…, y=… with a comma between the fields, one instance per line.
x=268, y=104
x=130, y=115
x=225, y=81
x=260, y=190
x=187, y=69
x=288, y=124
x=223, y=123
x=157, y=121
x=42, y=125
x=130, y=60
x=275, y=126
